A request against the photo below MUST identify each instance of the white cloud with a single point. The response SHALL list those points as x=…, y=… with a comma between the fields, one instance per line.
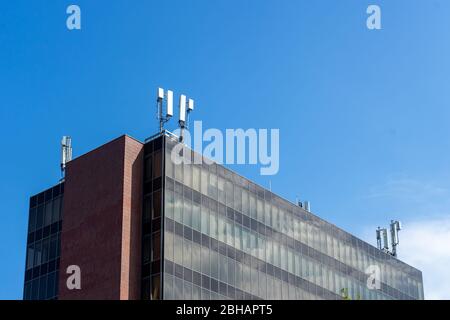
x=424, y=208
x=426, y=246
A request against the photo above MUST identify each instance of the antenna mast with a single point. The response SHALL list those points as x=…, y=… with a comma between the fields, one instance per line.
x=382, y=238
x=186, y=107
x=168, y=97
x=66, y=153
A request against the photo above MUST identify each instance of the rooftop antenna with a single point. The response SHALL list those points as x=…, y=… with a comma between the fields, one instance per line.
x=66, y=153
x=382, y=239
x=307, y=206
x=168, y=97
x=186, y=107
x=395, y=228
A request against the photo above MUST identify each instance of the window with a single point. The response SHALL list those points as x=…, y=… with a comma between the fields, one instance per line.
x=187, y=213
x=148, y=168
x=156, y=204
x=56, y=216
x=229, y=193
x=223, y=269
x=205, y=261
x=178, y=208
x=260, y=210
x=205, y=220
x=156, y=246
x=196, y=263
x=252, y=201
x=237, y=198
x=168, y=246
x=169, y=165
x=187, y=175
x=275, y=219
x=178, y=250
x=196, y=178
x=157, y=164
x=169, y=204
x=221, y=188
x=245, y=203
x=156, y=287
x=204, y=182
x=221, y=228
x=196, y=223
x=214, y=264
x=213, y=224
x=187, y=254
x=267, y=214
x=212, y=186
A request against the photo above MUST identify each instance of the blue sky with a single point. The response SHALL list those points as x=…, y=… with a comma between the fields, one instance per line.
x=363, y=115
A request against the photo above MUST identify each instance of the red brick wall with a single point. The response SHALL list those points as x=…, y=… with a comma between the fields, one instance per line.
x=101, y=221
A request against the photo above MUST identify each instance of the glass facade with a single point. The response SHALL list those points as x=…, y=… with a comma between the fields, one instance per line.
x=43, y=245
x=212, y=234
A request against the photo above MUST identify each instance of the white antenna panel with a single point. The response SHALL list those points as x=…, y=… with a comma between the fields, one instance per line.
x=169, y=112
x=182, y=108
x=190, y=104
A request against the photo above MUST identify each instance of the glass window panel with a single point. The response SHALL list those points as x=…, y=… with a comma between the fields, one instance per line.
x=178, y=206
x=168, y=245
x=245, y=204
x=267, y=214
x=156, y=246
x=157, y=163
x=178, y=250
x=229, y=193
x=196, y=178
x=283, y=258
x=178, y=286
x=223, y=270
x=230, y=235
x=169, y=165
x=275, y=218
x=259, y=210
x=212, y=187
x=156, y=291
x=196, y=217
x=205, y=261
x=30, y=257
x=187, y=254
x=205, y=221
x=148, y=168
x=237, y=236
x=146, y=249
x=214, y=264
x=204, y=181
x=187, y=168
x=221, y=188
x=213, y=224
x=252, y=200
x=196, y=261
x=187, y=213
x=290, y=261
x=56, y=216
x=237, y=198
x=169, y=204
x=156, y=213
x=222, y=229
x=168, y=287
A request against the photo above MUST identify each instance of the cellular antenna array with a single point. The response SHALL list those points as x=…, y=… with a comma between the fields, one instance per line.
x=66, y=153
x=382, y=238
x=166, y=97
x=186, y=106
